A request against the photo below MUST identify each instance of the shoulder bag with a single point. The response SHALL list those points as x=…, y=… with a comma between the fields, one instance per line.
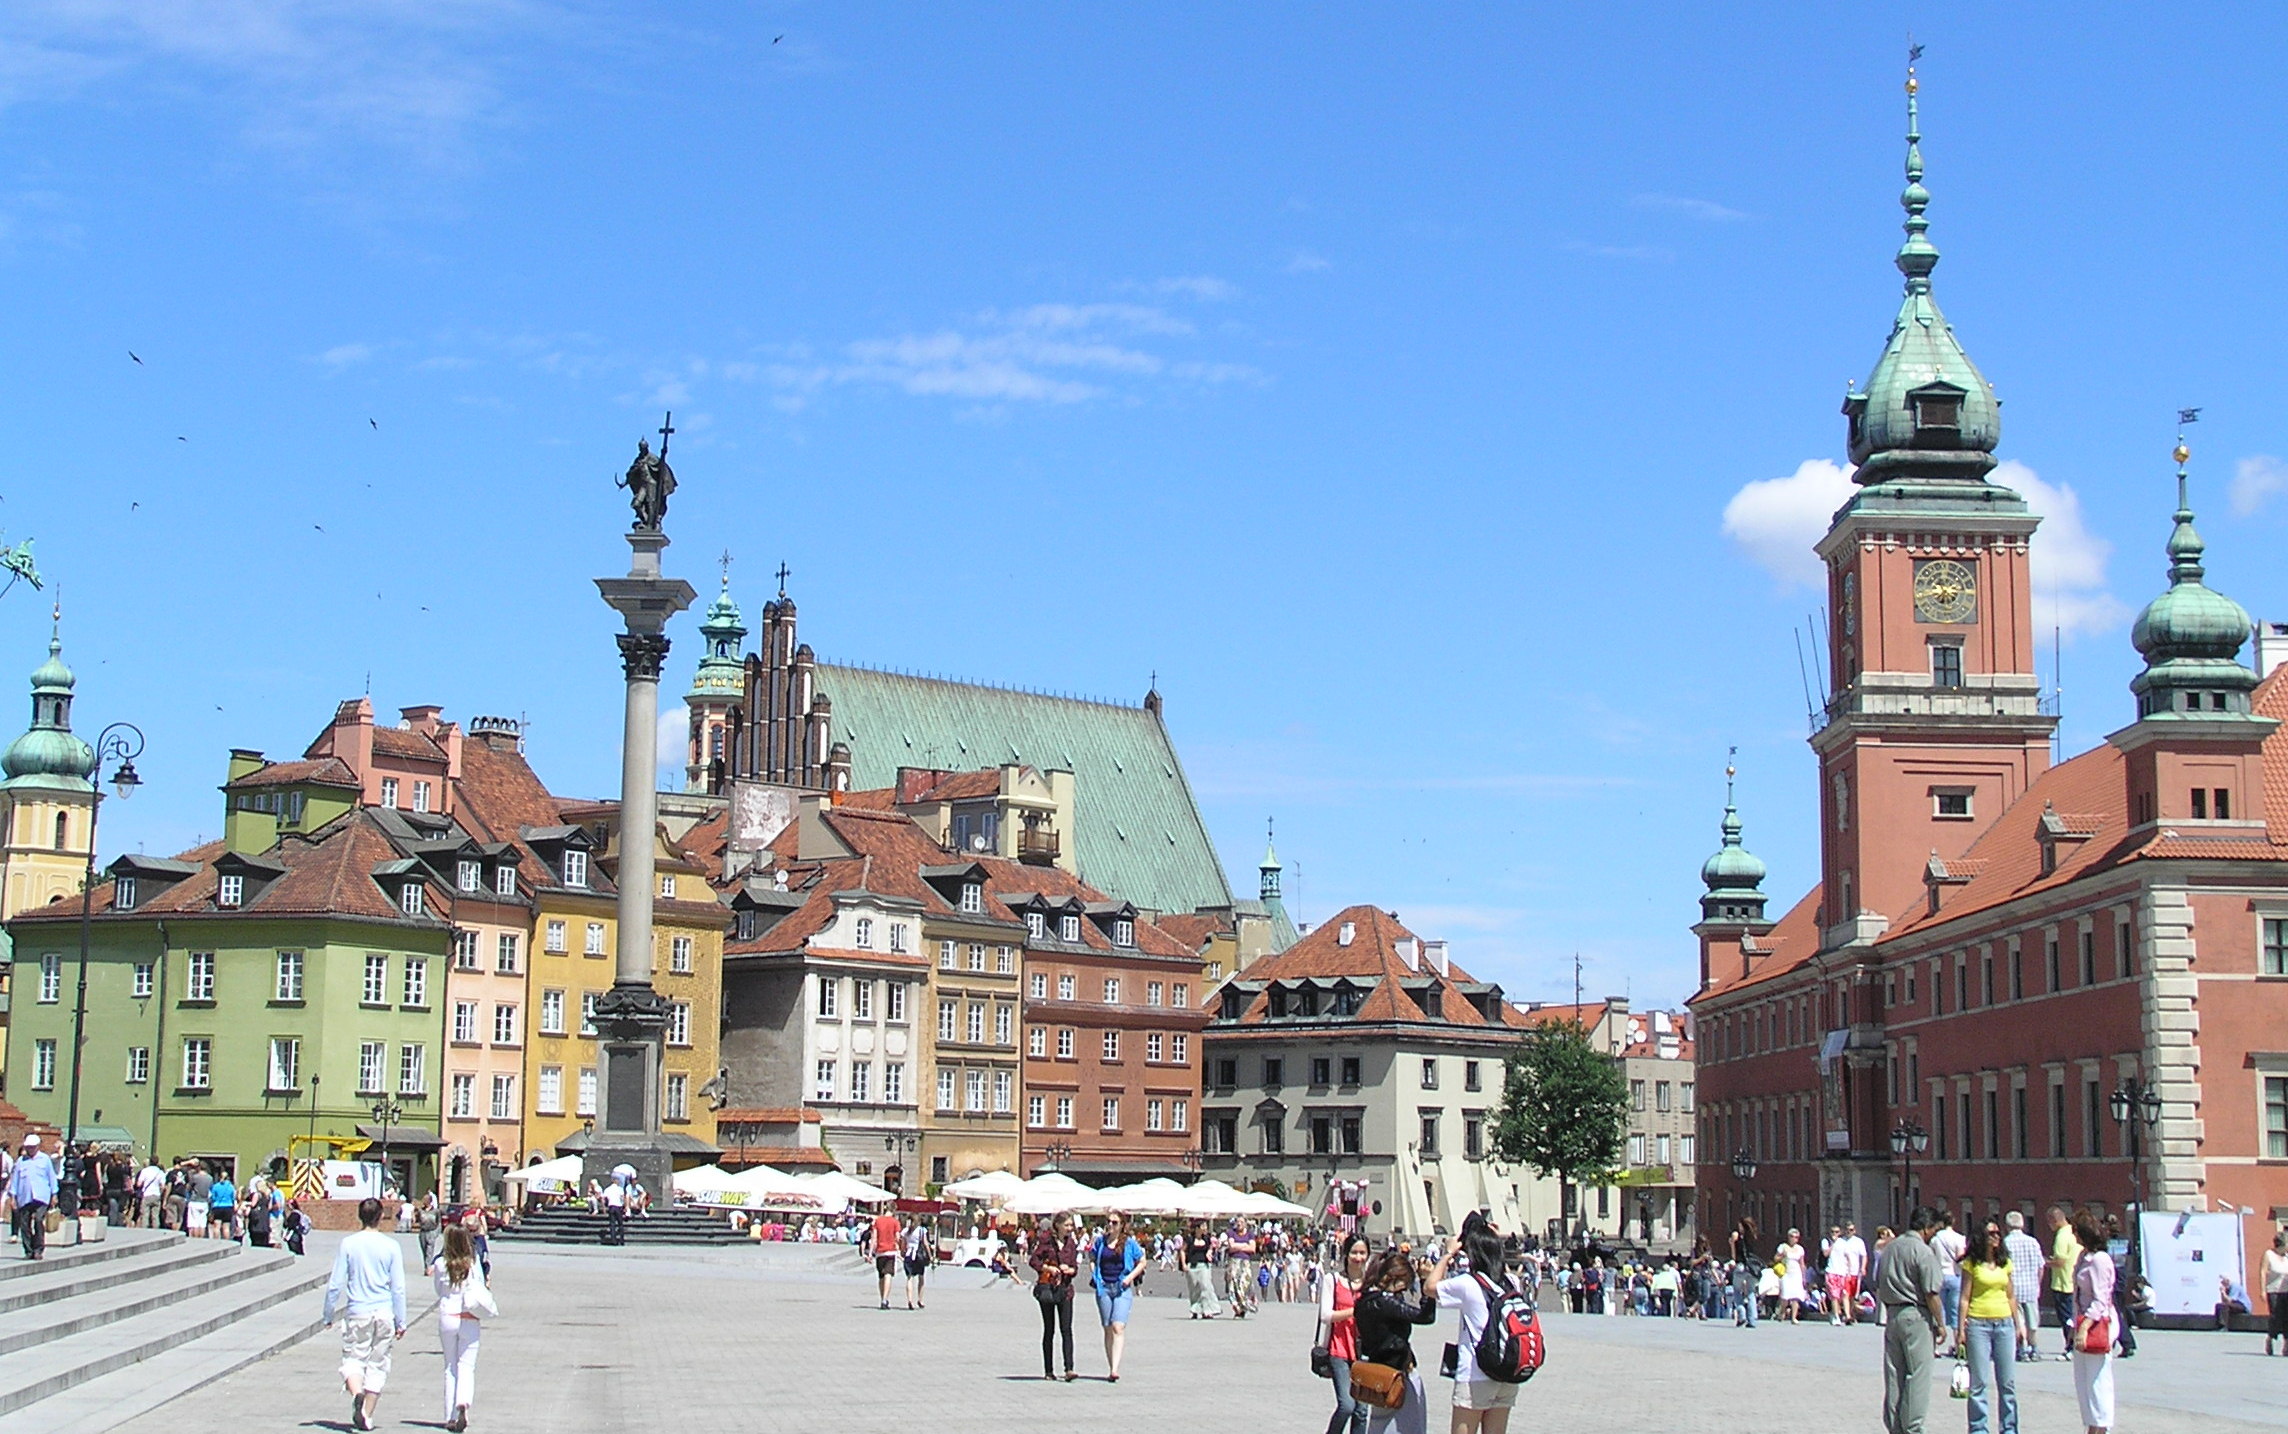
x=1381, y=1385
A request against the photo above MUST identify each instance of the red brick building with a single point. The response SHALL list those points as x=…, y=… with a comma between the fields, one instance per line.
x=1997, y=946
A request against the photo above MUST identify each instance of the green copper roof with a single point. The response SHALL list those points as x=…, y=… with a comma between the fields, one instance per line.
x=2191, y=635
x=1732, y=870
x=49, y=755
x=1925, y=409
x=1283, y=932
x=1138, y=831
x=722, y=671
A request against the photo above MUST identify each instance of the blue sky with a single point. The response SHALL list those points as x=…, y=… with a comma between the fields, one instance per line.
x=1384, y=380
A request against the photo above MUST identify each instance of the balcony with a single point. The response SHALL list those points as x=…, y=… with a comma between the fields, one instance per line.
x=1037, y=846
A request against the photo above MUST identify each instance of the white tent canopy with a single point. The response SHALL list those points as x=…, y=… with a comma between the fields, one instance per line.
x=849, y=1188
x=1052, y=1195
x=770, y=1188
x=993, y=1185
x=550, y=1177
x=1159, y=1197
x=704, y=1183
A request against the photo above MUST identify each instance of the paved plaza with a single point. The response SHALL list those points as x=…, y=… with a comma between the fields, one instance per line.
x=788, y=1338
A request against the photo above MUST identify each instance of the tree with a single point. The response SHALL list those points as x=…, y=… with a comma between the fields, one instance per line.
x=1564, y=1107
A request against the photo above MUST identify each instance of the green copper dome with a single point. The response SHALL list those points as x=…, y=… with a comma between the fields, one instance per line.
x=1733, y=867
x=2191, y=635
x=722, y=667
x=49, y=755
x=1925, y=409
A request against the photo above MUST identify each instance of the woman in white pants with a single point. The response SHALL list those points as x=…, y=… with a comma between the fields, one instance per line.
x=2093, y=1296
x=463, y=1304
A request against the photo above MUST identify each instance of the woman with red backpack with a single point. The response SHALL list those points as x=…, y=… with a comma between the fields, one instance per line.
x=1483, y=1397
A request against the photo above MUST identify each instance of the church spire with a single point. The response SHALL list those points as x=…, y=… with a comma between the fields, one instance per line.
x=1283, y=933
x=1925, y=410
x=1733, y=876
x=2191, y=635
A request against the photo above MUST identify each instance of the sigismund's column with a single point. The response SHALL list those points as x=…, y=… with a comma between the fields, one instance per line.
x=631, y=1017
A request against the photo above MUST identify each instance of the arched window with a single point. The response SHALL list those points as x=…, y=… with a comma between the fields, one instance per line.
x=63, y=831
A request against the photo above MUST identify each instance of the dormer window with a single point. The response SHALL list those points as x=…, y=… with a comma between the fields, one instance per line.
x=1124, y=932
x=123, y=894
x=1346, y=934
x=230, y=890
x=504, y=881
x=1068, y=928
x=472, y=876
x=1939, y=410
x=747, y=923
x=411, y=900
x=1036, y=925
x=389, y=792
x=972, y=897
x=575, y=868
x=863, y=934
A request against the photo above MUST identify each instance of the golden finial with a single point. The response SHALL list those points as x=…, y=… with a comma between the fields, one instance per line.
x=1914, y=53
x=2182, y=453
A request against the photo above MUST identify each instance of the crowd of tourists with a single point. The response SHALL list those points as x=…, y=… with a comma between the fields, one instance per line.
x=191, y=1196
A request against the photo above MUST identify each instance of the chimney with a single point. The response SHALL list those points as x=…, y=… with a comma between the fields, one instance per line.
x=420, y=719
x=1434, y=952
x=501, y=734
x=1410, y=953
x=244, y=762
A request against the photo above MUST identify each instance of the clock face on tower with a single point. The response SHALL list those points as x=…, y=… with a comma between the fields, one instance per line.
x=1945, y=591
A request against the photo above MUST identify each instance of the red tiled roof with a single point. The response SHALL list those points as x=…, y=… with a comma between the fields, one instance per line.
x=399, y=742
x=780, y=1156
x=498, y=794
x=1584, y=1016
x=1371, y=956
x=328, y=872
x=1193, y=928
x=322, y=771
x=766, y=1115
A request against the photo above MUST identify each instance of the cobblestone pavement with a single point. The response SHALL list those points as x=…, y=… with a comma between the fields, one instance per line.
x=790, y=1339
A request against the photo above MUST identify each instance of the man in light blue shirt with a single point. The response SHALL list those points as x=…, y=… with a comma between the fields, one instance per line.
x=31, y=1190
x=368, y=1288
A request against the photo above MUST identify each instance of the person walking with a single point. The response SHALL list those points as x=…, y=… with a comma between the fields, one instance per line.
x=1744, y=1270
x=1792, y=1291
x=615, y=1200
x=2094, y=1277
x=1199, y=1270
x=2026, y=1263
x=429, y=1228
x=884, y=1234
x=367, y=1291
x=198, y=1206
x=1482, y=1404
x=31, y=1190
x=1056, y=1262
x=1908, y=1290
x=297, y=1227
x=1387, y=1311
x=150, y=1194
x=1116, y=1268
x=464, y=1302
x=1951, y=1245
x=222, y=1208
x=2065, y=1251
x=1239, y=1268
x=1993, y=1332
x=1338, y=1330
x=917, y=1250
x=2276, y=1293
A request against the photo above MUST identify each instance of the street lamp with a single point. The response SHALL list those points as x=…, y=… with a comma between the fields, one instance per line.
x=1744, y=1166
x=1908, y=1140
x=385, y=1111
x=897, y=1145
x=1059, y=1151
x=119, y=744
x=2137, y=1106
x=1195, y=1159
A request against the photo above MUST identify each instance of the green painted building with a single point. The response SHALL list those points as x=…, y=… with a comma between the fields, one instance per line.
x=238, y=997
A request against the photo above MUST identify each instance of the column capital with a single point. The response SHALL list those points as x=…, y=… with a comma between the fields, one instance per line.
x=642, y=654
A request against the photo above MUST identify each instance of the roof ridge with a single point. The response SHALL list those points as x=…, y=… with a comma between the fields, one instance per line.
x=1136, y=707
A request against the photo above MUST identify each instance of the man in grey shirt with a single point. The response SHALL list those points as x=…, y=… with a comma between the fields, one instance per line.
x=1908, y=1290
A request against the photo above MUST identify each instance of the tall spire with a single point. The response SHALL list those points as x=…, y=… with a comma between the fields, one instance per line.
x=1283, y=933
x=2191, y=635
x=1917, y=257
x=48, y=755
x=1733, y=876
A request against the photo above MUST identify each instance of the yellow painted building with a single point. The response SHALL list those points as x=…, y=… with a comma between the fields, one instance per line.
x=47, y=813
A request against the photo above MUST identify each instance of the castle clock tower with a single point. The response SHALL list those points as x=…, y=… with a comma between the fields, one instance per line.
x=1936, y=723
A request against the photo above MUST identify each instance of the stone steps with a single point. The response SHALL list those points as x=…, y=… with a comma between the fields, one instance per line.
x=151, y=1315
x=661, y=1227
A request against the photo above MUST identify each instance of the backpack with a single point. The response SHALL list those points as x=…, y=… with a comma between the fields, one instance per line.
x=1510, y=1348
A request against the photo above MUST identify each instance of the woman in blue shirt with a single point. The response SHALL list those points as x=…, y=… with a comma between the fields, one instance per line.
x=1116, y=1269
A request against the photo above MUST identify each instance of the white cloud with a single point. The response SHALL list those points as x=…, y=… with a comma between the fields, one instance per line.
x=1041, y=353
x=405, y=74
x=674, y=746
x=2254, y=480
x=2068, y=559
x=1705, y=209
x=341, y=356
x=1303, y=261
x=1204, y=287
x=1777, y=521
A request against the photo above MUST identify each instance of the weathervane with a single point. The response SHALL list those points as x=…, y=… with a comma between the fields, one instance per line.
x=724, y=562
x=783, y=574
x=2185, y=417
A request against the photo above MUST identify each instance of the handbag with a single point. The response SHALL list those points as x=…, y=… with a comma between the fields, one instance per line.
x=1322, y=1362
x=2096, y=1335
x=1381, y=1385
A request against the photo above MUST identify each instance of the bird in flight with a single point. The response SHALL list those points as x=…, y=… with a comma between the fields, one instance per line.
x=131, y=354
x=133, y=506
x=181, y=439
x=319, y=526
x=376, y=424
x=776, y=38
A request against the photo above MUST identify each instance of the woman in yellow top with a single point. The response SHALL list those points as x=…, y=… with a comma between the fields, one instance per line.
x=1990, y=1328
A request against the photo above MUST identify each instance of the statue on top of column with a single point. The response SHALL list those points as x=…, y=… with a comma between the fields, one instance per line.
x=649, y=482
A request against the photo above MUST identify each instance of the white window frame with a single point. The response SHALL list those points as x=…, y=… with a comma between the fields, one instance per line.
x=375, y=991
x=896, y=1001
x=575, y=867
x=1036, y=1111
x=504, y=1024
x=552, y=1011
x=292, y=967
x=1037, y=1043
x=138, y=1065
x=824, y=1078
x=198, y=1063
x=549, y=1096
x=893, y=1082
x=503, y=1105
x=584, y=1091
x=1064, y=1112
x=142, y=980
x=596, y=940
x=412, y=1068
x=230, y=890
x=972, y=897
x=679, y=955
x=461, y=1104
x=464, y=1023
x=1112, y=1045
x=373, y=1067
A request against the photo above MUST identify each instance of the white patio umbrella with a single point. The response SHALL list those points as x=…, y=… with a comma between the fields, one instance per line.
x=993, y=1186
x=1270, y=1206
x=1213, y=1199
x=1157, y=1197
x=849, y=1187
x=767, y=1187
x=705, y=1185
x=1052, y=1195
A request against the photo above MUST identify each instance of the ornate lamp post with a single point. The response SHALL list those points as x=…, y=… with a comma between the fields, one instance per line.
x=632, y=1015
x=1908, y=1140
x=119, y=745
x=2137, y=1106
x=385, y=1113
x=1059, y=1151
x=901, y=1148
